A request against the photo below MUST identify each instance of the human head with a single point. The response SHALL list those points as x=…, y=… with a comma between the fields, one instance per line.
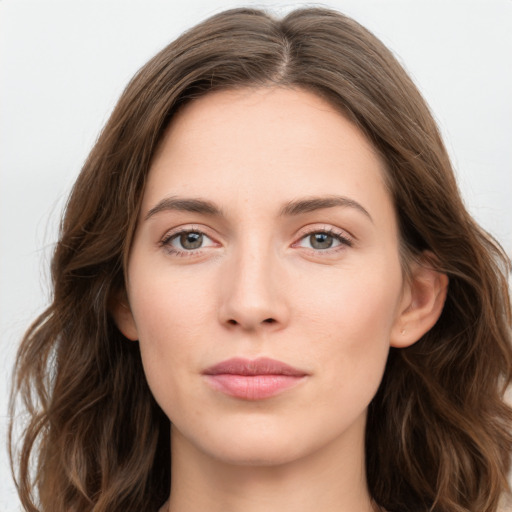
x=426, y=391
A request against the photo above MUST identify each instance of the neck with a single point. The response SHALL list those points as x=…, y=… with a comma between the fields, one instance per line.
x=331, y=479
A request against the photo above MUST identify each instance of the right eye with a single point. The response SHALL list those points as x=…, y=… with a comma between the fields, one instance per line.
x=186, y=241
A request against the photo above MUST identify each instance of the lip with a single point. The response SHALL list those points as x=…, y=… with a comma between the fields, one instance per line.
x=255, y=379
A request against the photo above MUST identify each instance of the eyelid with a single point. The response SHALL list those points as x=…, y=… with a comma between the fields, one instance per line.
x=186, y=228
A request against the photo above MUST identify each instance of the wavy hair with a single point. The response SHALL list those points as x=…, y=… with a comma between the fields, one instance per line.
x=438, y=433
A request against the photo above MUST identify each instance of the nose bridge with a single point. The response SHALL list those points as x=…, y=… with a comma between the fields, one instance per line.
x=253, y=292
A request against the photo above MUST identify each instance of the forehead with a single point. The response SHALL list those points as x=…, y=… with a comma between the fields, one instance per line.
x=261, y=146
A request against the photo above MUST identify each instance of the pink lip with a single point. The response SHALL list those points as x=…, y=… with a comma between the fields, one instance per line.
x=252, y=379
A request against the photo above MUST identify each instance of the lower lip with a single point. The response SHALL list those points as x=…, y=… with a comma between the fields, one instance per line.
x=252, y=387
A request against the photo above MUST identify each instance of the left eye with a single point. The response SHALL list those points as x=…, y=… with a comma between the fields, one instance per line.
x=322, y=240
x=189, y=241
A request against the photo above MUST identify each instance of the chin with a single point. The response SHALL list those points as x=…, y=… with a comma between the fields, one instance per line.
x=272, y=446
x=262, y=454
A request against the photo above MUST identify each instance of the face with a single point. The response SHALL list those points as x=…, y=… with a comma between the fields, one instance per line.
x=264, y=281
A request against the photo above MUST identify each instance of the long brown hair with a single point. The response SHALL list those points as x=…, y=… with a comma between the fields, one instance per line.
x=438, y=431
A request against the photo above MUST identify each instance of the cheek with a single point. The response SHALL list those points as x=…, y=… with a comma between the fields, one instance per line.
x=170, y=318
x=349, y=322
x=353, y=302
x=167, y=305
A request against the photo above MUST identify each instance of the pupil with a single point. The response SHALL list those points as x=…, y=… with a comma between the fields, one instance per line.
x=191, y=240
x=321, y=240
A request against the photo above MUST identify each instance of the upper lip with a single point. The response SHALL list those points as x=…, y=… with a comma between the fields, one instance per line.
x=248, y=367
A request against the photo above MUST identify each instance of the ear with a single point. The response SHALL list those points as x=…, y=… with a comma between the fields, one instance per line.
x=123, y=317
x=422, y=303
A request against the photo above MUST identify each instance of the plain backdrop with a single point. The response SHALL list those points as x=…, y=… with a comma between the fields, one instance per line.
x=64, y=64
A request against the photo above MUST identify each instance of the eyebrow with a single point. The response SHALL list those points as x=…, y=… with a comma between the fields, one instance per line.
x=311, y=204
x=292, y=208
x=185, y=205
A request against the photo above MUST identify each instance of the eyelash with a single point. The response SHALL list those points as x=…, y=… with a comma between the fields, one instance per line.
x=343, y=239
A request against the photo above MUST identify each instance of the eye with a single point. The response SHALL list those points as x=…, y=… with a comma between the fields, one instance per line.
x=186, y=241
x=323, y=240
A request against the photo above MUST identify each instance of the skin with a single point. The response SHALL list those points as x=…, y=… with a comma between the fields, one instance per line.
x=258, y=287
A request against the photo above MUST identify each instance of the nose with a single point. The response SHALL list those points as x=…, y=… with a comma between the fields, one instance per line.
x=254, y=292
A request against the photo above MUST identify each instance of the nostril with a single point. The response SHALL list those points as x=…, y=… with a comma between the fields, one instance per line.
x=232, y=321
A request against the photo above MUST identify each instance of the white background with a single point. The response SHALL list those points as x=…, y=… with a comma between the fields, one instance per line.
x=63, y=65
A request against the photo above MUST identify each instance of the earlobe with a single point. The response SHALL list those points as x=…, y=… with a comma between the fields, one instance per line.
x=422, y=305
x=123, y=317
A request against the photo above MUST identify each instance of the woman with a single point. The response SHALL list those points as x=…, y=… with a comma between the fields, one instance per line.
x=265, y=269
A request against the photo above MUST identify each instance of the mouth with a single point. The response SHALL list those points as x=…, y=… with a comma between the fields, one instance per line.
x=253, y=379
